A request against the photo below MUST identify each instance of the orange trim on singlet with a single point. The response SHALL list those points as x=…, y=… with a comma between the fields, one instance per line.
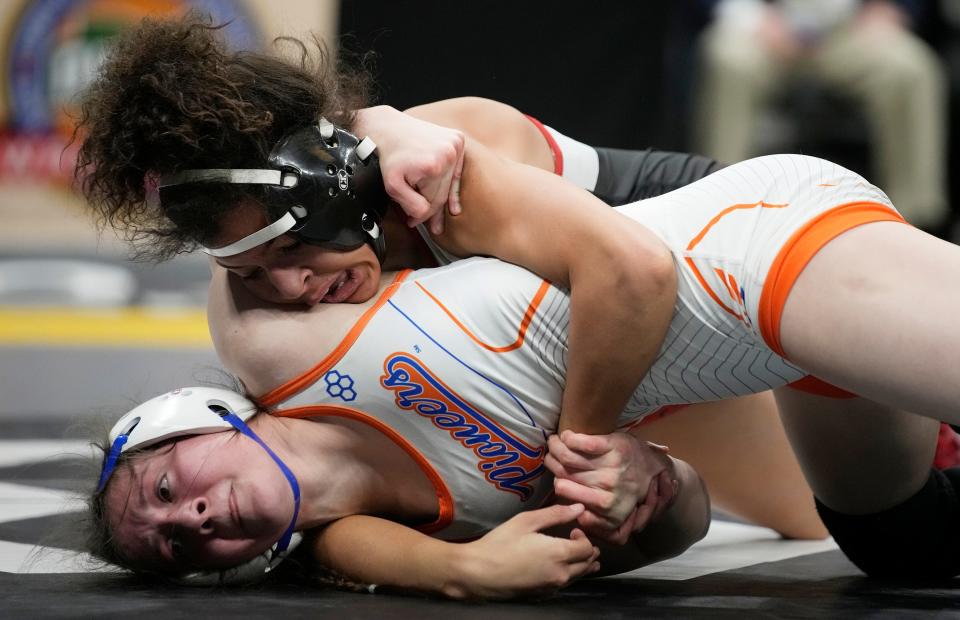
x=815, y=385
x=730, y=282
x=797, y=252
x=297, y=384
x=703, y=233
x=445, y=506
x=554, y=147
x=524, y=324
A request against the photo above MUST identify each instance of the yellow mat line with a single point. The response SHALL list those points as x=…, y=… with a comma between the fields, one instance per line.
x=109, y=328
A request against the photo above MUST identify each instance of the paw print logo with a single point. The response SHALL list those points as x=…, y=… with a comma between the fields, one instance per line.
x=340, y=386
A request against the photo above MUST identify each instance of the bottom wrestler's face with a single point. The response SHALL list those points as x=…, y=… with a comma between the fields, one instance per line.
x=288, y=271
x=204, y=502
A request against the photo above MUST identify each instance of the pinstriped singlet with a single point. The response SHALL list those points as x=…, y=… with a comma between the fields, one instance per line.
x=464, y=365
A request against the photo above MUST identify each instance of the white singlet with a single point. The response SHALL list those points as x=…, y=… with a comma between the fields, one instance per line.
x=464, y=366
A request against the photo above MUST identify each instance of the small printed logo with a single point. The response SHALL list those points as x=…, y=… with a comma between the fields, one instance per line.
x=507, y=462
x=340, y=386
x=737, y=294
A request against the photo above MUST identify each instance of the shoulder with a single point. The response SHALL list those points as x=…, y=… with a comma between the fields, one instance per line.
x=259, y=342
x=500, y=127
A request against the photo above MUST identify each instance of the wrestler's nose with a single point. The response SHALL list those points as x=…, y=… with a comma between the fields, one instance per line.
x=194, y=516
x=289, y=282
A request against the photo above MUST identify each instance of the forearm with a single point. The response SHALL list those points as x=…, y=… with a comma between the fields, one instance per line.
x=621, y=276
x=370, y=550
x=620, y=294
x=617, y=324
x=676, y=530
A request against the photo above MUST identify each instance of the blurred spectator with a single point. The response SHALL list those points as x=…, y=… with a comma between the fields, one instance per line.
x=753, y=50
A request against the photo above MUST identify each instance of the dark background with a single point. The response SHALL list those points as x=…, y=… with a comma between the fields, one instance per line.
x=597, y=75
x=608, y=73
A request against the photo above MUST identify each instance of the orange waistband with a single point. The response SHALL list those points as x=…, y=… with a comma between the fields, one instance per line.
x=797, y=252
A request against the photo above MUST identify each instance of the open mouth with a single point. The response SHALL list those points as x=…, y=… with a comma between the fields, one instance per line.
x=342, y=288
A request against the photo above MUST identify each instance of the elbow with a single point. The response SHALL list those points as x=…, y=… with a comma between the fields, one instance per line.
x=704, y=513
x=692, y=507
x=647, y=272
x=700, y=510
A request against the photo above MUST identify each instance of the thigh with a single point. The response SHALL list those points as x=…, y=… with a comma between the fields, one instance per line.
x=875, y=312
x=859, y=456
x=739, y=448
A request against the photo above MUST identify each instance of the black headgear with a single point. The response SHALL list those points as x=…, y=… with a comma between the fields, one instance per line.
x=326, y=180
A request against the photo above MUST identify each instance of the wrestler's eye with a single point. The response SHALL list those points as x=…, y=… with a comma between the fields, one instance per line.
x=293, y=246
x=250, y=275
x=163, y=490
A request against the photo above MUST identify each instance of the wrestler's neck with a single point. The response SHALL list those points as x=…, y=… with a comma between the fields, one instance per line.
x=346, y=468
x=406, y=249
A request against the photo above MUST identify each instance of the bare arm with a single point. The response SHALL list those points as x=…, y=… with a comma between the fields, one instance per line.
x=512, y=560
x=499, y=127
x=621, y=276
x=532, y=554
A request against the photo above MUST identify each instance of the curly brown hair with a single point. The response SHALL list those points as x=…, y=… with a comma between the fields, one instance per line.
x=170, y=96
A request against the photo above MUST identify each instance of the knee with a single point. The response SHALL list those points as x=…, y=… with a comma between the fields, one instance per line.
x=919, y=538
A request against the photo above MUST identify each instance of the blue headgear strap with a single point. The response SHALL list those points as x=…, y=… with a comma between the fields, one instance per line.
x=111, y=463
x=294, y=486
x=238, y=424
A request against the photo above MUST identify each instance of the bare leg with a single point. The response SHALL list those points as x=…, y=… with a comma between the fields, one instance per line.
x=741, y=452
x=875, y=312
x=858, y=456
x=869, y=465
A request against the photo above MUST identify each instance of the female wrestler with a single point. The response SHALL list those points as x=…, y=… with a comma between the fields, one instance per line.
x=799, y=331
x=122, y=104
x=179, y=497
x=707, y=355
x=416, y=380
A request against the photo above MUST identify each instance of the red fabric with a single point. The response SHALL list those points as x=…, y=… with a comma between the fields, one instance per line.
x=948, y=448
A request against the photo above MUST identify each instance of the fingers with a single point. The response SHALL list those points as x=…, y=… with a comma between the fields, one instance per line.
x=658, y=447
x=647, y=510
x=584, y=558
x=453, y=201
x=660, y=496
x=567, y=457
x=544, y=518
x=555, y=467
x=668, y=487
x=579, y=548
x=596, y=525
x=583, y=569
x=436, y=223
x=594, y=499
x=618, y=536
x=595, y=445
x=413, y=204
